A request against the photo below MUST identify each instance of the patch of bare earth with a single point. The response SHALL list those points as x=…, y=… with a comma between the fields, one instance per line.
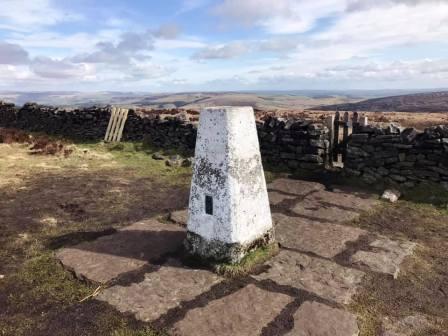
x=47, y=202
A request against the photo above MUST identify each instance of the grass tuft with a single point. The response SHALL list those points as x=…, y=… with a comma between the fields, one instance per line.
x=428, y=193
x=249, y=263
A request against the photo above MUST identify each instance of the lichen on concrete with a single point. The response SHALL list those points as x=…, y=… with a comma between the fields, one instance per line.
x=228, y=170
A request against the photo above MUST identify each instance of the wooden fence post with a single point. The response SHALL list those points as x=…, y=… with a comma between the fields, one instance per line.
x=355, y=122
x=329, y=122
x=364, y=121
x=336, y=135
x=124, y=117
x=346, y=122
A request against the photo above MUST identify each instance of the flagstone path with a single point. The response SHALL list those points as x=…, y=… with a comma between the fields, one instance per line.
x=303, y=291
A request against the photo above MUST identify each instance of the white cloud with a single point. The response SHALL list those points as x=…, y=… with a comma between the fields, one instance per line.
x=168, y=31
x=12, y=54
x=12, y=72
x=227, y=51
x=191, y=5
x=53, y=68
x=279, y=16
x=130, y=46
x=79, y=41
x=26, y=15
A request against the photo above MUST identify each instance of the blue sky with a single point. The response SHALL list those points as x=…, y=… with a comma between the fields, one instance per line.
x=190, y=45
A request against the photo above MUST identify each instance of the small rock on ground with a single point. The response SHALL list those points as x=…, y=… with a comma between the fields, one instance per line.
x=243, y=313
x=391, y=195
x=158, y=156
x=174, y=161
x=179, y=217
x=316, y=319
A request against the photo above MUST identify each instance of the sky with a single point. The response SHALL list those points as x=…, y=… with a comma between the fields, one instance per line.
x=222, y=45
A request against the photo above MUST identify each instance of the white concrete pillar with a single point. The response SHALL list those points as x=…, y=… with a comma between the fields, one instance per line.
x=229, y=208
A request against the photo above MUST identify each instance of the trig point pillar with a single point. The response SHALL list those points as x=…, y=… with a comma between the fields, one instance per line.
x=229, y=210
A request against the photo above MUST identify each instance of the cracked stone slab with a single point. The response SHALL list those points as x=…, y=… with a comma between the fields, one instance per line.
x=385, y=257
x=335, y=206
x=243, y=313
x=316, y=211
x=316, y=319
x=351, y=200
x=179, y=217
x=322, y=277
x=285, y=189
x=160, y=291
x=127, y=250
x=323, y=239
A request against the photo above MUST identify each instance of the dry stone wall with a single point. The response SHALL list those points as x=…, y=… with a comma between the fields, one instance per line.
x=288, y=143
x=398, y=156
x=294, y=143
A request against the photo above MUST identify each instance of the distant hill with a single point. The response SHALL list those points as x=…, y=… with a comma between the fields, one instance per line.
x=293, y=100
x=420, y=102
x=264, y=100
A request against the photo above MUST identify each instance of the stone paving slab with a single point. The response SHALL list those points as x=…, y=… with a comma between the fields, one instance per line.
x=339, y=206
x=295, y=187
x=316, y=319
x=160, y=291
x=352, y=201
x=323, y=239
x=315, y=211
x=276, y=197
x=127, y=250
x=322, y=277
x=243, y=313
x=386, y=256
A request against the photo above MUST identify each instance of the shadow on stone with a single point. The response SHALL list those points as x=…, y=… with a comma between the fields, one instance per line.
x=75, y=238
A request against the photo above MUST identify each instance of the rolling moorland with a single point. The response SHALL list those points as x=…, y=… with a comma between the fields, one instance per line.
x=418, y=109
x=263, y=100
x=421, y=102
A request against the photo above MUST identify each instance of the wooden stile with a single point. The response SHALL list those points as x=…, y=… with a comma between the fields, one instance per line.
x=116, y=124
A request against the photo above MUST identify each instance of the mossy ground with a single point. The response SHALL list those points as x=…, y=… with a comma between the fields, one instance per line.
x=249, y=263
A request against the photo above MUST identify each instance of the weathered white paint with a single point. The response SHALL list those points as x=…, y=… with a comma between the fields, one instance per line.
x=228, y=167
